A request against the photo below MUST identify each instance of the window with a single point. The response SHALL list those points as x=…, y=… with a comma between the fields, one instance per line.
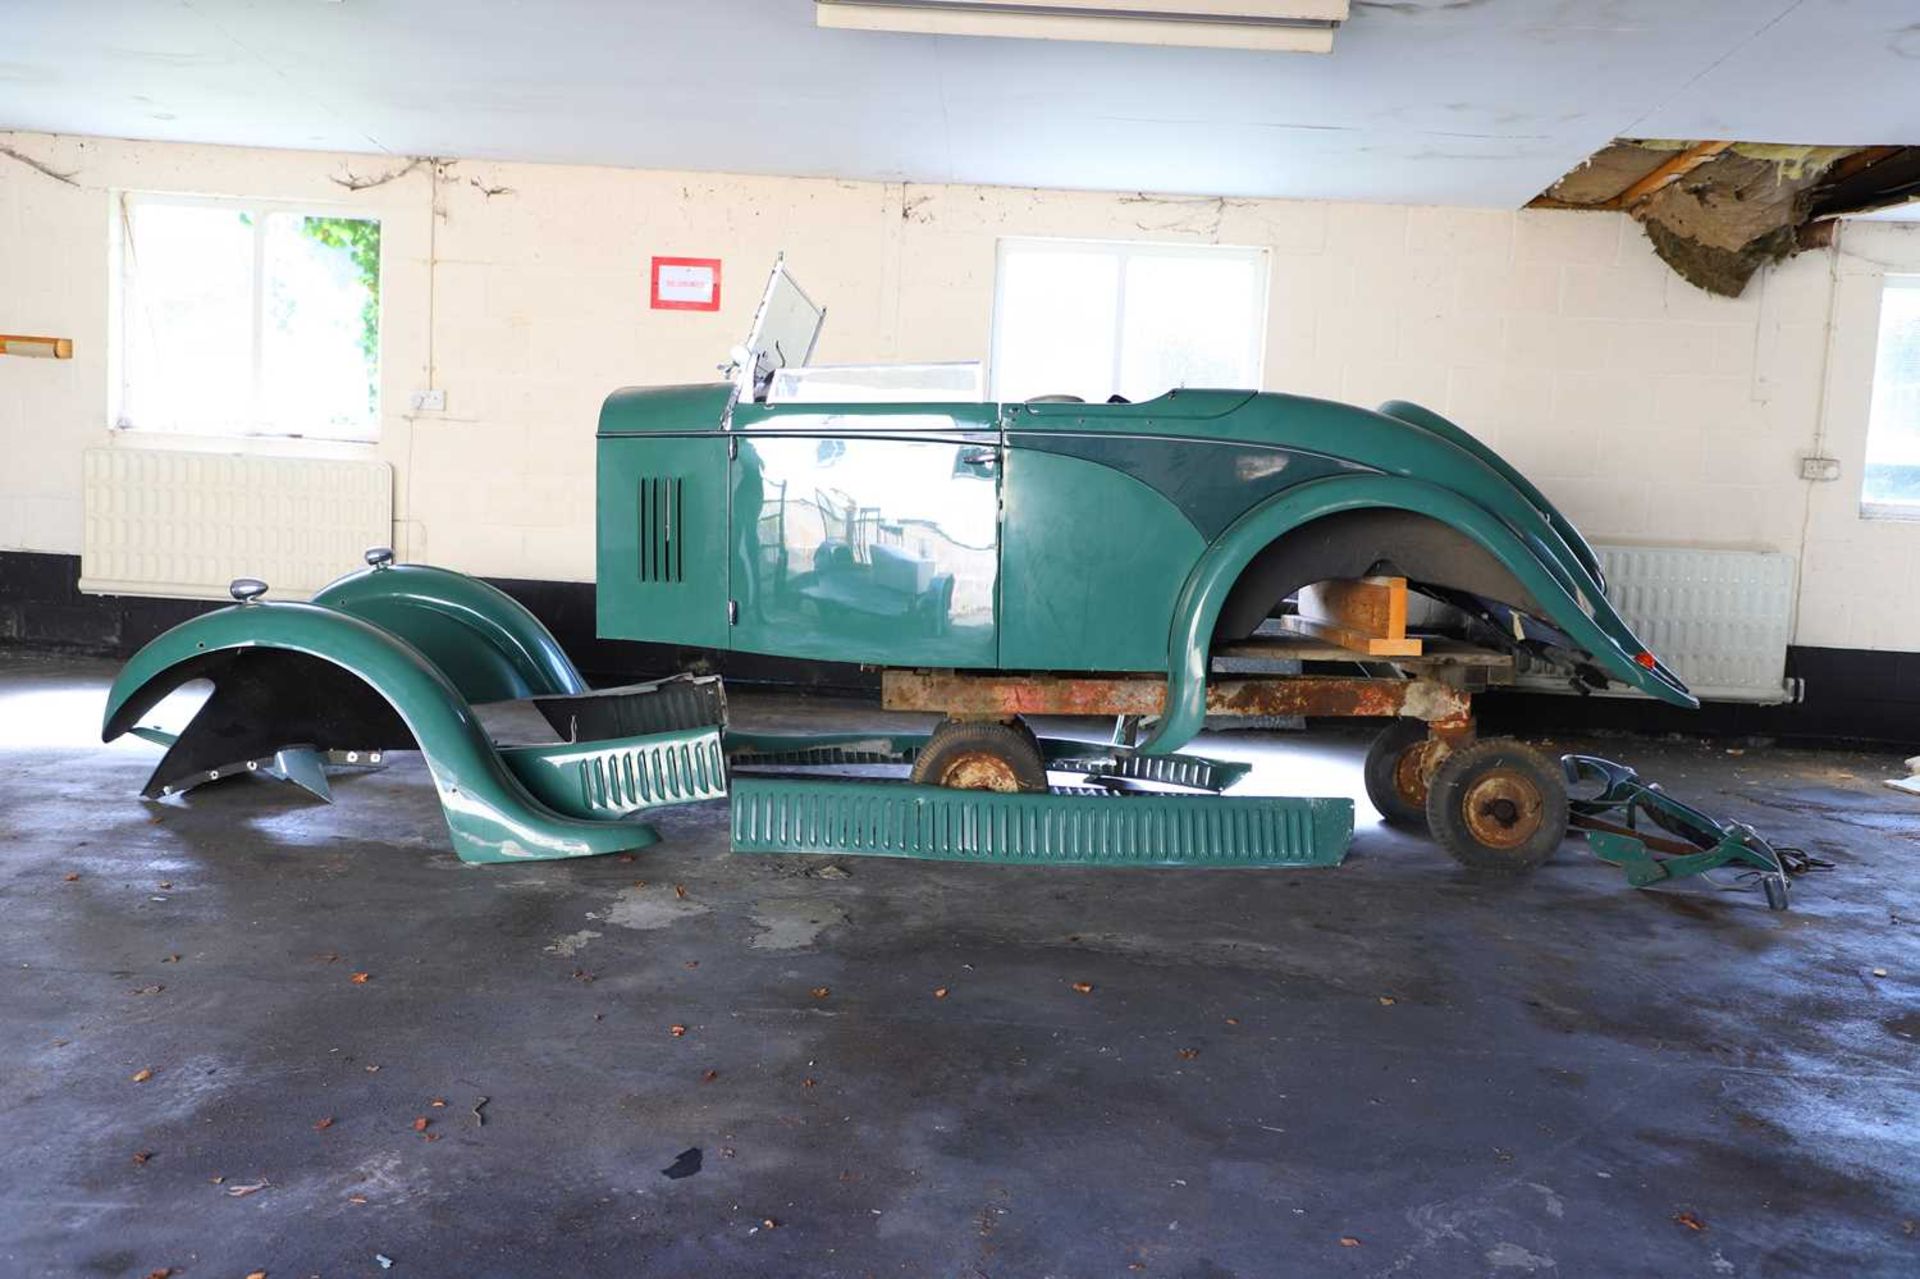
x=1093, y=318
x=1892, y=483
x=248, y=318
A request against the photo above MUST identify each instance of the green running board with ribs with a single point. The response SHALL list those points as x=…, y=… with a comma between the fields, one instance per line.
x=899, y=819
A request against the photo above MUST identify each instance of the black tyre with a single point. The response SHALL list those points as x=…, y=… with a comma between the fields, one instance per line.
x=981, y=756
x=1398, y=765
x=1498, y=806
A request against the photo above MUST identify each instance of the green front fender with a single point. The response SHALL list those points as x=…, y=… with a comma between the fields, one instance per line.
x=489, y=813
x=483, y=639
x=1550, y=571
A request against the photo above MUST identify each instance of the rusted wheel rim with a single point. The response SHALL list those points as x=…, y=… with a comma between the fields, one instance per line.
x=1414, y=769
x=979, y=770
x=1503, y=809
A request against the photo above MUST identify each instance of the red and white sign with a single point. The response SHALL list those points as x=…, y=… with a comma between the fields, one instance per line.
x=686, y=284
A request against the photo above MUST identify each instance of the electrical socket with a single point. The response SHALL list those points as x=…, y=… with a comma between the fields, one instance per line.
x=429, y=401
x=1820, y=468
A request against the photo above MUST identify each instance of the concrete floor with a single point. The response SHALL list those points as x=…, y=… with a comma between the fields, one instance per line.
x=1384, y=1069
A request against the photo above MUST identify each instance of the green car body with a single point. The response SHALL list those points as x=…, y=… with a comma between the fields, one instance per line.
x=1064, y=536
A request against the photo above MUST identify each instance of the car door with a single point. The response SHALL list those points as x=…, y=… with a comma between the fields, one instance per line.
x=866, y=533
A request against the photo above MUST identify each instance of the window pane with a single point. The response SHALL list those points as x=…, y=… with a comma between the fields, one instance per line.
x=320, y=336
x=189, y=330
x=1192, y=319
x=1893, y=430
x=1054, y=323
x=1092, y=318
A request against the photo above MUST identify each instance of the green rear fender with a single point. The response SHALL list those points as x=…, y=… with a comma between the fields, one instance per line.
x=483, y=639
x=490, y=815
x=1542, y=562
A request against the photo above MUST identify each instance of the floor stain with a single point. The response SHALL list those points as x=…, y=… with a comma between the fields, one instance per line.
x=792, y=925
x=644, y=909
x=568, y=945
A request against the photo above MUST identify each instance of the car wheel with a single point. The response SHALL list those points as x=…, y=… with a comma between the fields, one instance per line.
x=1498, y=806
x=967, y=755
x=1399, y=764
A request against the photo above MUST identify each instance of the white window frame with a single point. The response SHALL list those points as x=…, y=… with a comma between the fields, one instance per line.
x=1259, y=257
x=126, y=288
x=1908, y=512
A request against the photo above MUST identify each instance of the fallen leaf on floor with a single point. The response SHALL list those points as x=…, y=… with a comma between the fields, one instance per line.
x=1879, y=972
x=429, y=1136
x=148, y=990
x=356, y=1199
x=1188, y=1054
x=171, y=959
x=251, y=1188
x=143, y=1074
x=141, y=1156
x=628, y=857
x=639, y=883
x=691, y=963
x=768, y=1223
x=165, y=884
x=1690, y=1221
x=1387, y=1001
x=164, y=1272
x=439, y=1102
x=216, y=1180
x=709, y=1077
x=321, y=1125
x=582, y=976
x=420, y=1124
x=256, y=1274
x=808, y=1082
x=1084, y=987
x=372, y=1069
x=830, y=871
x=726, y=1152
x=1233, y=1021
x=676, y=1030
x=72, y=875
x=680, y=890
x=939, y=992
x=361, y=979
x=821, y=992
x=1348, y=1241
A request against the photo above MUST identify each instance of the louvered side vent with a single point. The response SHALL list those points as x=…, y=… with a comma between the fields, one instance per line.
x=179, y=523
x=660, y=516
x=1720, y=619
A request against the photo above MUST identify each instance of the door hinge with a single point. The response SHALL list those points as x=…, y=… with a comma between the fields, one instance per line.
x=733, y=447
x=733, y=612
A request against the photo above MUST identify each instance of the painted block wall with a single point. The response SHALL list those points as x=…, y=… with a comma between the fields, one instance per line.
x=1650, y=411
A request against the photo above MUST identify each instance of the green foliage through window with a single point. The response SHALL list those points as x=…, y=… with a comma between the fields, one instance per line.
x=360, y=237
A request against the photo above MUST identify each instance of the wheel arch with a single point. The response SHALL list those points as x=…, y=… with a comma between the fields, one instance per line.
x=489, y=814
x=1538, y=560
x=488, y=644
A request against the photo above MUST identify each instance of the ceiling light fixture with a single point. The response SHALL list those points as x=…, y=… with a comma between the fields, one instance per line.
x=1271, y=26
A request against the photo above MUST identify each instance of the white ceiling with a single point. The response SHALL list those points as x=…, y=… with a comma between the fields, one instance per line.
x=1477, y=102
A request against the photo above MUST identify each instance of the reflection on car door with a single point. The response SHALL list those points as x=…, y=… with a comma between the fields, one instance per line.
x=866, y=536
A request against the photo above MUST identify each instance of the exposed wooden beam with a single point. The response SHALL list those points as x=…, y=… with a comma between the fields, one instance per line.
x=1672, y=169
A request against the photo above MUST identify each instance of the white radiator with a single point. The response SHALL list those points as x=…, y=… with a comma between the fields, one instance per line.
x=1720, y=619
x=169, y=522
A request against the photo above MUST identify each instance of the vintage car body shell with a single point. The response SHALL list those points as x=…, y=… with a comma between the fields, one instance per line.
x=1121, y=528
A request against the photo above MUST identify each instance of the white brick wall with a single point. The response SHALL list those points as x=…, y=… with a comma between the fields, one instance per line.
x=1654, y=413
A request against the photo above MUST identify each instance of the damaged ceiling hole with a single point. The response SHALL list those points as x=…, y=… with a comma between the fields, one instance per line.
x=1716, y=212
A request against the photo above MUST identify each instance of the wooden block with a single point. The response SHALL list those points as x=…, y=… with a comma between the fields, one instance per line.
x=1374, y=606
x=1352, y=640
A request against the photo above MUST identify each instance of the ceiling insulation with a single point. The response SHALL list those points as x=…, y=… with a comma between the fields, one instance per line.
x=1717, y=211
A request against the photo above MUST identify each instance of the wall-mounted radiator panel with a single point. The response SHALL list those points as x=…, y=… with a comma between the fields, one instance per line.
x=1720, y=619
x=177, y=523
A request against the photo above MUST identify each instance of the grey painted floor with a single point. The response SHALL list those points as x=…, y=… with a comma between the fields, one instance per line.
x=1548, y=1078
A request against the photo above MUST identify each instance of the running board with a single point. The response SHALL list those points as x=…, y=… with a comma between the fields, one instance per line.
x=899, y=819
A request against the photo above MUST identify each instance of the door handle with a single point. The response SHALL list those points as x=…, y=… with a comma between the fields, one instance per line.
x=982, y=457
